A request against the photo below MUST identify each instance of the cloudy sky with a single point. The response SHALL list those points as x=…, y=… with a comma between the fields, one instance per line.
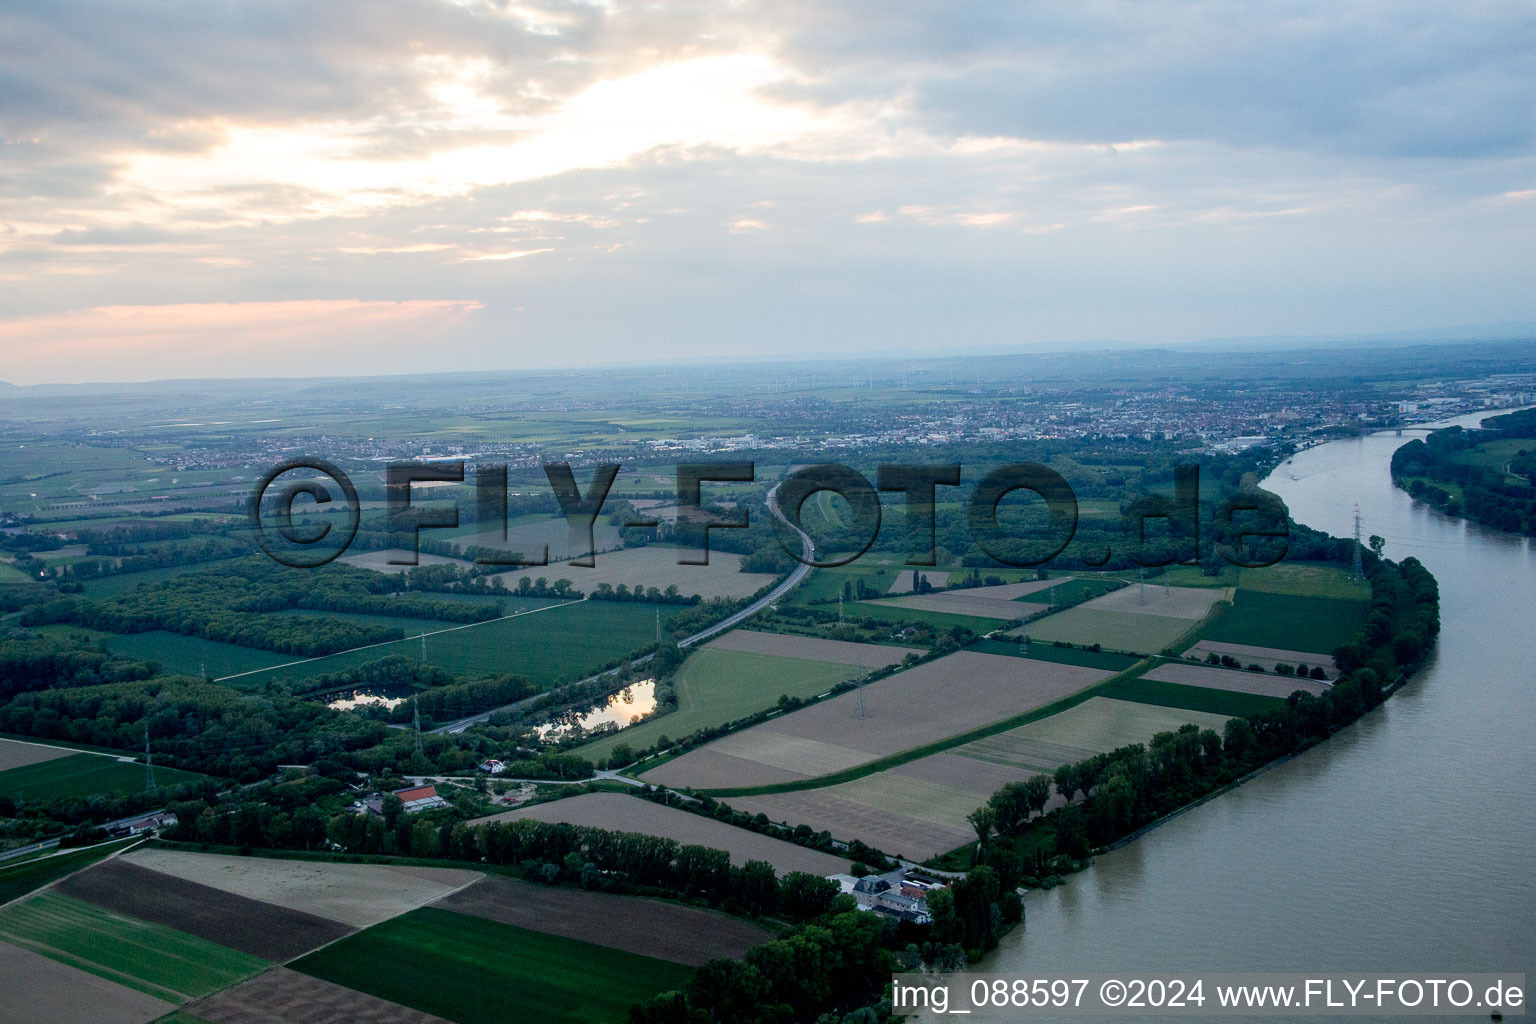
x=191, y=188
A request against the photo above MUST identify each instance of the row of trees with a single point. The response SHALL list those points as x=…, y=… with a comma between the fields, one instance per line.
x=1487, y=496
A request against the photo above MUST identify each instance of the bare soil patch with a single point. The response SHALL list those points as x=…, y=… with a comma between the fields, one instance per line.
x=667, y=931
x=942, y=698
x=889, y=830
x=379, y=560
x=281, y=996
x=902, y=584
x=17, y=754
x=810, y=648
x=43, y=991
x=621, y=813
x=251, y=926
x=1238, y=682
x=353, y=894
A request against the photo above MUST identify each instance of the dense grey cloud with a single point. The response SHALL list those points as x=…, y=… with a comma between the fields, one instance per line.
x=557, y=181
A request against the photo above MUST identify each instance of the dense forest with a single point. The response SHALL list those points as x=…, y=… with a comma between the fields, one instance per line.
x=1483, y=493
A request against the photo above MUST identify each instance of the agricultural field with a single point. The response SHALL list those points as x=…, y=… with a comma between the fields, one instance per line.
x=529, y=535
x=263, y=930
x=555, y=644
x=620, y=812
x=357, y=895
x=656, y=566
x=56, y=993
x=921, y=705
x=1188, y=603
x=809, y=648
x=1287, y=621
x=19, y=754
x=1227, y=703
x=24, y=875
x=968, y=602
x=1109, y=661
x=896, y=615
x=902, y=583
x=1114, y=630
x=715, y=686
x=153, y=959
x=475, y=971
x=1095, y=726
x=282, y=996
x=667, y=931
x=1269, y=657
x=385, y=560
x=1307, y=579
x=190, y=655
x=1262, y=683
x=82, y=775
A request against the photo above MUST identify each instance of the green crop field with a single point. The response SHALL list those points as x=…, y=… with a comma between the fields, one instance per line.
x=1116, y=630
x=827, y=584
x=1107, y=660
x=160, y=961
x=109, y=586
x=16, y=880
x=1191, y=698
x=1071, y=590
x=548, y=646
x=1306, y=579
x=82, y=775
x=475, y=971
x=190, y=655
x=717, y=686
x=1194, y=576
x=1287, y=621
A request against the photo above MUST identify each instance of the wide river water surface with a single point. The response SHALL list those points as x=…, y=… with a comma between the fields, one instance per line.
x=1406, y=843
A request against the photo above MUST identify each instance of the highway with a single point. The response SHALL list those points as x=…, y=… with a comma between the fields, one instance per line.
x=790, y=582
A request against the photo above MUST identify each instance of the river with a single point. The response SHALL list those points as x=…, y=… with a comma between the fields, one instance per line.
x=1405, y=843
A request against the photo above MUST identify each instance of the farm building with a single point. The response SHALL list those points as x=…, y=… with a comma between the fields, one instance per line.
x=420, y=798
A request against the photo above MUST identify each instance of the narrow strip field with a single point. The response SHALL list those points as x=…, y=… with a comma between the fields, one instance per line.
x=657, y=566
x=1096, y=726
x=810, y=648
x=160, y=961
x=38, y=990
x=250, y=926
x=966, y=602
x=620, y=813
x=1114, y=630
x=282, y=996
x=1262, y=683
x=474, y=971
x=352, y=894
x=17, y=754
x=684, y=935
x=1269, y=657
x=931, y=702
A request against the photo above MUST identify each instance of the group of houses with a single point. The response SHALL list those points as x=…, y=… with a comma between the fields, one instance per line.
x=903, y=896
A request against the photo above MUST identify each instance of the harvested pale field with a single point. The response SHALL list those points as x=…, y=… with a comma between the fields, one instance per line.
x=16, y=754
x=1155, y=599
x=43, y=991
x=563, y=541
x=354, y=894
x=1213, y=678
x=964, y=602
x=1095, y=726
x=1013, y=591
x=1116, y=631
x=620, y=813
x=250, y=926
x=282, y=996
x=667, y=931
x=902, y=584
x=899, y=815
x=1269, y=657
x=934, y=701
x=657, y=567
x=811, y=648
x=379, y=561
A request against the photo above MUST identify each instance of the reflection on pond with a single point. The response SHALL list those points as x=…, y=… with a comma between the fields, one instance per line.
x=362, y=698
x=626, y=707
